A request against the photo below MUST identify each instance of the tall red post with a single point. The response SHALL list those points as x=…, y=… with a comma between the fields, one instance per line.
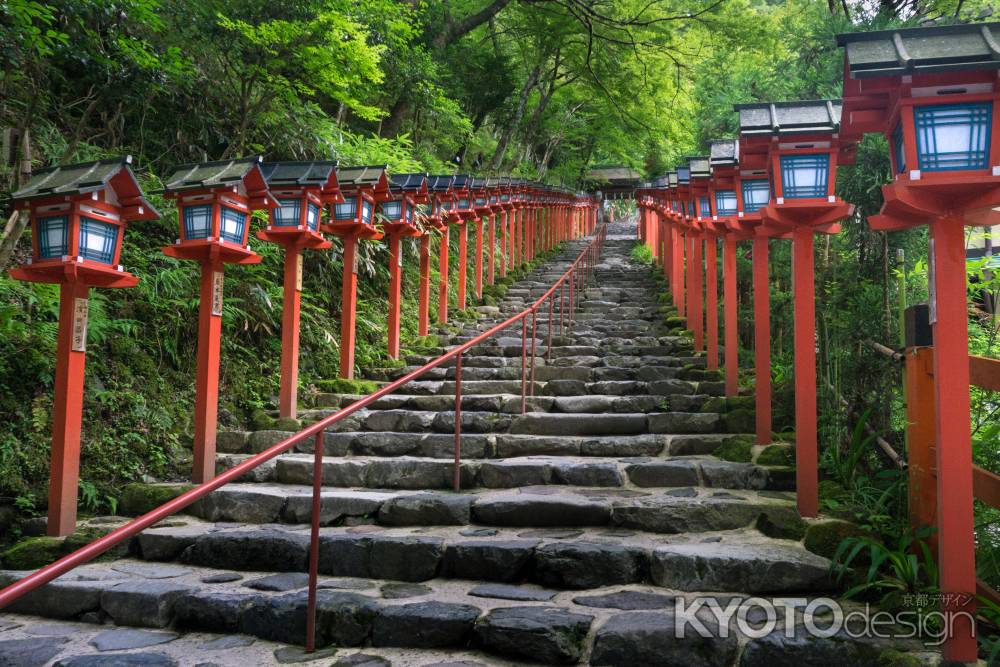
x=806, y=455
x=395, y=292
x=206, y=397
x=491, y=268
x=463, y=263
x=424, y=297
x=730, y=315
x=443, y=276
x=762, y=339
x=697, y=309
x=292, y=291
x=67, y=408
x=478, y=264
x=711, y=303
x=348, y=304
x=956, y=527
x=679, y=287
x=503, y=244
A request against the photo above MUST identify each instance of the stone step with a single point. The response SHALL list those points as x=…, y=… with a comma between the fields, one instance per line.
x=679, y=510
x=415, y=473
x=511, y=402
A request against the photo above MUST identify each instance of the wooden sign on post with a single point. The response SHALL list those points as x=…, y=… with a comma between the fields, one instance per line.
x=217, y=280
x=81, y=309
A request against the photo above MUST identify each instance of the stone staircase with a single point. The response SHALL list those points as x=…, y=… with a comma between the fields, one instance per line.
x=579, y=523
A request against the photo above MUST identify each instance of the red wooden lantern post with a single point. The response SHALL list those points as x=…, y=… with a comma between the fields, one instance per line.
x=302, y=189
x=353, y=220
x=724, y=160
x=455, y=206
x=804, y=148
x=78, y=216
x=933, y=92
x=753, y=191
x=482, y=191
x=683, y=190
x=440, y=188
x=701, y=175
x=214, y=202
x=398, y=216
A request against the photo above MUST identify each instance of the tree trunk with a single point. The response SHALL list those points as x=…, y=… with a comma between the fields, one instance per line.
x=393, y=124
x=515, y=120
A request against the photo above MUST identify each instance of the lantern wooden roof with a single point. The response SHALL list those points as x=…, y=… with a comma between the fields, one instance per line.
x=784, y=118
x=373, y=176
x=415, y=184
x=683, y=175
x=672, y=179
x=218, y=174
x=113, y=174
x=724, y=152
x=321, y=175
x=440, y=184
x=928, y=50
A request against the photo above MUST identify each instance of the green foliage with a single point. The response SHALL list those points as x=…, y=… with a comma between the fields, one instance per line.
x=906, y=567
x=642, y=254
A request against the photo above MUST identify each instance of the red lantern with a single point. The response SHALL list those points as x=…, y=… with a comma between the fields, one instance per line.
x=78, y=217
x=303, y=190
x=353, y=220
x=398, y=215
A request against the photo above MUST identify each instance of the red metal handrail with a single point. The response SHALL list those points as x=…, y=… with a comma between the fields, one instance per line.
x=586, y=261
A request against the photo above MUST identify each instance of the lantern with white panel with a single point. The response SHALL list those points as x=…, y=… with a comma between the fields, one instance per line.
x=933, y=93
x=353, y=220
x=441, y=194
x=214, y=203
x=78, y=215
x=303, y=190
x=398, y=216
x=724, y=156
x=804, y=148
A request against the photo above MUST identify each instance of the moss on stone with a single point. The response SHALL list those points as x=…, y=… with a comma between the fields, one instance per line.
x=345, y=386
x=776, y=455
x=894, y=658
x=287, y=424
x=716, y=404
x=824, y=537
x=32, y=553
x=261, y=421
x=735, y=450
x=740, y=421
x=139, y=498
x=675, y=321
x=784, y=436
x=782, y=527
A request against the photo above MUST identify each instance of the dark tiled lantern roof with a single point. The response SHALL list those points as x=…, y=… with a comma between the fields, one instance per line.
x=781, y=118
x=299, y=174
x=220, y=173
x=363, y=176
x=724, y=152
x=75, y=179
x=922, y=50
x=440, y=183
x=408, y=182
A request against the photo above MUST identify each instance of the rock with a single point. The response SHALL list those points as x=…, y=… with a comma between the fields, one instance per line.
x=508, y=592
x=120, y=660
x=54, y=629
x=824, y=537
x=662, y=473
x=334, y=506
x=224, y=578
x=583, y=565
x=783, y=527
x=517, y=510
x=627, y=600
x=682, y=422
x=738, y=567
x=240, y=506
x=728, y=475
x=735, y=449
x=342, y=618
x=59, y=599
x=142, y=603
x=649, y=638
x=30, y=652
x=227, y=642
x=668, y=514
x=232, y=442
x=288, y=655
x=163, y=545
x=588, y=474
x=398, y=591
x=778, y=454
x=490, y=560
x=405, y=558
x=151, y=571
x=260, y=549
x=139, y=498
x=281, y=582
x=551, y=636
x=361, y=660
x=261, y=440
x=426, y=509
x=424, y=625
x=124, y=639
x=776, y=650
